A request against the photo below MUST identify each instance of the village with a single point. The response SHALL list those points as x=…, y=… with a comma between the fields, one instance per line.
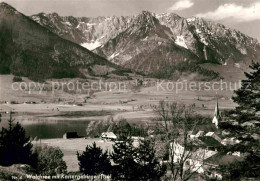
x=205, y=148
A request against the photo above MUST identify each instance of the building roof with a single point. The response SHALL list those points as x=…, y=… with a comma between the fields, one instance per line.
x=217, y=112
x=221, y=158
x=108, y=135
x=190, y=142
x=252, y=123
x=210, y=141
x=217, y=115
x=202, y=154
x=190, y=132
x=200, y=133
x=209, y=134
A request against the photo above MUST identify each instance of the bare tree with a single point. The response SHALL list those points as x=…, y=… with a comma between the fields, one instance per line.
x=185, y=156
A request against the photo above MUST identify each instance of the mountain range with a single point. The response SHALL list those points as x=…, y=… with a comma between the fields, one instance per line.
x=153, y=43
x=160, y=45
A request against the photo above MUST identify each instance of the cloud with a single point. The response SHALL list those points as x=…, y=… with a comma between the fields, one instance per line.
x=236, y=12
x=181, y=5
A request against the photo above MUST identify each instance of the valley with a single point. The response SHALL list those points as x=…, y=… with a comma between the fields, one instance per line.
x=48, y=119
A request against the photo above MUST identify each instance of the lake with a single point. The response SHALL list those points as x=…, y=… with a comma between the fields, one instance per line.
x=44, y=128
x=55, y=130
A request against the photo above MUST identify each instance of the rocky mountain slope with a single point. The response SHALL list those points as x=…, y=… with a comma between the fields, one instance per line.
x=150, y=42
x=28, y=49
x=88, y=32
x=146, y=45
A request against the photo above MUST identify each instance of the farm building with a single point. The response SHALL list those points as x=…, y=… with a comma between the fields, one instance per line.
x=108, y=135
x=70, y=135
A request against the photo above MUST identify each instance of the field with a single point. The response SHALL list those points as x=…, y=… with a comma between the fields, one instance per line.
x=70, y=147
x=128, y=103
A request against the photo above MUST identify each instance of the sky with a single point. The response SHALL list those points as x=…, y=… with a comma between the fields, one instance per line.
x=243, y=15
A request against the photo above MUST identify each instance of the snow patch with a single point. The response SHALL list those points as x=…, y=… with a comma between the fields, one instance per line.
x=108, y=19
x=67, y=23
x=181, y=42
x=242, y=50
x=198, y=31
x=162, y=15
x=113, y=56
x=91, y=24
x=37, y=19
x=203, y=40
x=192, y=19
x=205, y=53
x=237, y=65
x=146, y=38
x=92, y=45
x=85, y=25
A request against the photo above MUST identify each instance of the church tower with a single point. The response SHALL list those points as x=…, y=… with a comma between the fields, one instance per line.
x=217, y=116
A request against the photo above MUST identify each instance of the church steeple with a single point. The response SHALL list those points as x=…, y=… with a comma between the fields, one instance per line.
x=217, y=116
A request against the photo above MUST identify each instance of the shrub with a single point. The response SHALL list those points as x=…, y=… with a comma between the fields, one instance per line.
x=17, y=79
x=50, y=161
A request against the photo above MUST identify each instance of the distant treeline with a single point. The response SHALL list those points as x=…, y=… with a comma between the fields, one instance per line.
x=118, y=127
x=174, y=71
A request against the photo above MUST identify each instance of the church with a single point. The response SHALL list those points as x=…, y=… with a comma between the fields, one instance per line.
x=217, y=117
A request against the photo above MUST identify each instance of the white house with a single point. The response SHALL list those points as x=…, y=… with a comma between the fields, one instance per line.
x=191, y=135
x=215, y=175
x=177, y=151
x=195, y=159
x=136, y=140
x=108, y=135
x=230, y=141
x=236, y=153
x=199, y=134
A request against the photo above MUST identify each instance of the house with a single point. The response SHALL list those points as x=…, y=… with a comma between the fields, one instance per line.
x=236, y=153
x=251, y=124
x=225, y=159
x=210, y=143
x=199, y=134
x=136, y=140
x=191, y=135
x=230, y=141
x=196, y=157
x=177, y=149
x=108, y=136
x=214, y=135
x=214, y=174
x=70, y=135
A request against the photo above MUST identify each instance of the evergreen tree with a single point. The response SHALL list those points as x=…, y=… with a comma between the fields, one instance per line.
x=136, y=163
x=247, y=111
x=148, y=165
x=123, y=156
x=93, y=161
x=248, y=96
x=15, y=147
